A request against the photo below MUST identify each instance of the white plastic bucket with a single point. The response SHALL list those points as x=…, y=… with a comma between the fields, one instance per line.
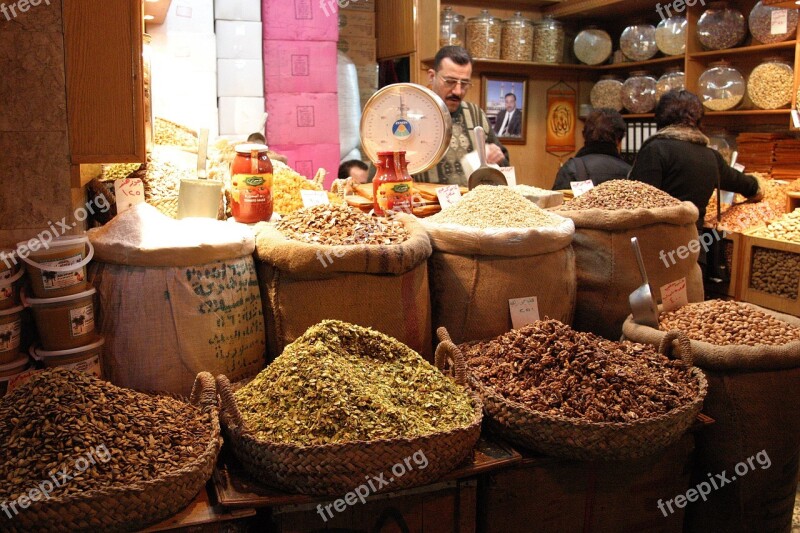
x=10, y=333
x=9, y=371
x=59, y=269
x=10, y=274
x=86, y=359
x=65, y=322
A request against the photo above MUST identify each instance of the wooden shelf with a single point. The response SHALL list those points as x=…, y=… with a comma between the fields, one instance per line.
x=659, y=61
x=743, y=50
x=638, y=115
x=748, y=112
x=505, y=64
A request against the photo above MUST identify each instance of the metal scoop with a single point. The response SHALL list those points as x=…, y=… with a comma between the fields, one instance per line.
x=643, y=305
x=484, y=175
x=200, y=197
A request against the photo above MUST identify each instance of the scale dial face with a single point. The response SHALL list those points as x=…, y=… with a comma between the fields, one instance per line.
x=407, y=117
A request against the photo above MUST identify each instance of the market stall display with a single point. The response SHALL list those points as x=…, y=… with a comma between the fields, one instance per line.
x=639, y=92
x=722, y=87
x=770, y=84
x=605, y=220
x=607, y=93
x=592, y=46
x=545, y=387
x=721, y=26
x=133, y=458
x=672, y=79
x=764, y=25
x=671, y=35
x=742, y=215
x=638, y=42
x=342, y=400
x=751, y=358
x=346, y=266
x=488, y=248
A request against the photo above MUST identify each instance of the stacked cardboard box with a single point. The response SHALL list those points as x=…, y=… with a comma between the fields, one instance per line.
x=184, y=65
x=357, y=40
x=240, y=66
x=300, y=83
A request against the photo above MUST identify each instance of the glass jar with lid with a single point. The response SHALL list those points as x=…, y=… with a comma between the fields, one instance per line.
x=723, y=142
x=770, y=84
x=721, y=26
x=592, y=46
x=548, y=41
x=673, y=78
x=517, y=39
x=484, y=34
x=452, y=28
x=639, y=92
x=638, y=42
x=671, y=36
x=607, y=93
x=722, y=87
x=772, y=24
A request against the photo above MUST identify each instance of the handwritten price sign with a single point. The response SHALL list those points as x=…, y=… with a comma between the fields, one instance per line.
x=129, y=192
x=673, y=295
x=524, y=311
x=312, y=198
x=581, y=187
x=448, y=195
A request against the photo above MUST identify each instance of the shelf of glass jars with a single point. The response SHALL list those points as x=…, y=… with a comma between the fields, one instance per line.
x=504, y=65
x=665, y=61
x=743, y=50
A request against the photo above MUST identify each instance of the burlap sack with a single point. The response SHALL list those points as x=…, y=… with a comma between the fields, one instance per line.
x=754, y=396
x=475, y=272
x=382, y=287
x=606, y=266
x=169, y=311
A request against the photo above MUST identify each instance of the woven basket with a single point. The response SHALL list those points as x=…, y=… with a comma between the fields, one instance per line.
x=134, y=506
x=335, y=469
x=572, y=438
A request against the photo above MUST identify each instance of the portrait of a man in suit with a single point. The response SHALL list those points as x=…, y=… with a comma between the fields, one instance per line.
x=509, y=119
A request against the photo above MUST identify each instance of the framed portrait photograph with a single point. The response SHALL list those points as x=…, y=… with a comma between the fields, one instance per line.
x=504, y=99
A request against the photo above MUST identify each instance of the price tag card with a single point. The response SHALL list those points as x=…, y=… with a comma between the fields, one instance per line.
x=523, y=311
x=673, y=295
x=780, y=21
x=580, y=187
x=511, y=175
x=129, y=192
x=739, y=167
x=796, y=118
x=312, y=198
x=448, y=195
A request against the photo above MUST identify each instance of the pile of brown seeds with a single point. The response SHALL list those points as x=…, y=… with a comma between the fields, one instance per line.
x=724, y=323
x=622, y=194
x=344, y=383
x=488, y=206
x=340, y=225
x=550, y=368
x=60, y=416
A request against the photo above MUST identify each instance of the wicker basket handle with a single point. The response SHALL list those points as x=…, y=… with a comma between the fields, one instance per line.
x=447, y=350
x=228, y=408
x=666, y=347
x=204, y=391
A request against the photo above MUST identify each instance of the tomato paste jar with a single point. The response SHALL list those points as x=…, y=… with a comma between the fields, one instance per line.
x=392, y=185
x=251, y=184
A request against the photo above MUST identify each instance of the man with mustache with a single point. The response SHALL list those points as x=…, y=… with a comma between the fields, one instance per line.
x=450, y=78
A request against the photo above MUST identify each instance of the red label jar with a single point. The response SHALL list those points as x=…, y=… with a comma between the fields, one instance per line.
x=251, y=184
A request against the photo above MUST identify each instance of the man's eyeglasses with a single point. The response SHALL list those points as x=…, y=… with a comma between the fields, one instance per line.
x=451, y=83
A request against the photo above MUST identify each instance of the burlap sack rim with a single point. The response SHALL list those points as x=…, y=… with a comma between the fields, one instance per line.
x=503, y=242
x=731, y=356
x=621, y=219
x=304, y=258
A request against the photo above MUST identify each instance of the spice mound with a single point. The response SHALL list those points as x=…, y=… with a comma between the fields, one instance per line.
x=622, y=194
x=286, y=187
x=340, y=225
x=550, y=368
x=724, y=322
x=65, y=421
x=488, y=206
x=341, y=383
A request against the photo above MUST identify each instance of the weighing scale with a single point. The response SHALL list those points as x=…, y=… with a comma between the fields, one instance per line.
x=407, y=117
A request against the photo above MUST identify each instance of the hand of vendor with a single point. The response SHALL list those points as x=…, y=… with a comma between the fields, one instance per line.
x=494, y=155
x=759, y=195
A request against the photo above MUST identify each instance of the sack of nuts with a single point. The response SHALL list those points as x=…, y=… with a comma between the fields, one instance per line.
x=751, y=358
x=605, y=219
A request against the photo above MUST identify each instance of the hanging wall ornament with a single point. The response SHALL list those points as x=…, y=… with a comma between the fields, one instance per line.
x=561, y=119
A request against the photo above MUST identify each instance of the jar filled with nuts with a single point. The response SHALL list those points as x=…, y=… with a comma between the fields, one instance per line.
x=592, y=46
x=721, y=26
x=671, y=36
x=517, y=38
x=452, y=28
x=770, y=84
x=548, y=41
x=722, y=87
x=484, y=34
x=607, y=93
x=639, y=92
x=638, y=42
x=772, y=24
x=673, y=78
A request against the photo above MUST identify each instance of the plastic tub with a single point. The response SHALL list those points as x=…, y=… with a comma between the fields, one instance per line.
x=9, y=284
x=83, y=359
x=9, y=371
x=10, y=330
x=58, y=268
x=65, y=322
